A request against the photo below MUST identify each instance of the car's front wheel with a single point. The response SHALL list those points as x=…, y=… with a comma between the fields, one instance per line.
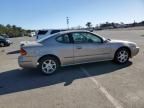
x=122, y=56
x=48, y=65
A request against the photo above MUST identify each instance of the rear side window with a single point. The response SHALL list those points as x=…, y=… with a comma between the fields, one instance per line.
x=63, y=39
x=42, y=32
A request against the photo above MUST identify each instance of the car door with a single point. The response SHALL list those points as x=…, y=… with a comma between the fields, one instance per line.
x=64, y=49
x=89, y=48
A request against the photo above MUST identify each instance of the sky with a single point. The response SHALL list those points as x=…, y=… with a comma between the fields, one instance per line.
x=51, y=14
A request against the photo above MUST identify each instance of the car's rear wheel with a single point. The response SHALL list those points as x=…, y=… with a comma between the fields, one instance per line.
x=48, y=65
x=2, y=44
x=122, y=56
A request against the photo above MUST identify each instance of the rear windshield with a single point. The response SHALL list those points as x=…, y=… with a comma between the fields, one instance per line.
x=42, y=32
x=46, y=37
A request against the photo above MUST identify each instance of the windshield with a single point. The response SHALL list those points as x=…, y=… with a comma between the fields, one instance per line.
x=1, y=37
x=104, y=39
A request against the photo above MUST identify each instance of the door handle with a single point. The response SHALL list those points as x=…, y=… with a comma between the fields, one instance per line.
x=79, y=47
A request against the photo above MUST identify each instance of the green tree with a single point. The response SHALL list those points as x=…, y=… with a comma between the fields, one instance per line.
x=8, y=26
x=89, y=25
x=13, y=31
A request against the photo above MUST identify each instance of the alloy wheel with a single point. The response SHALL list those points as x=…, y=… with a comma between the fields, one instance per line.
x=122, y=56
x=49, y=66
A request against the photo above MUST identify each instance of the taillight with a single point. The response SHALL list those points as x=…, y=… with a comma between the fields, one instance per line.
x=23, y=52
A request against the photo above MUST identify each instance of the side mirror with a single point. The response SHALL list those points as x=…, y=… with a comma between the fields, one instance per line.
x=106, y=41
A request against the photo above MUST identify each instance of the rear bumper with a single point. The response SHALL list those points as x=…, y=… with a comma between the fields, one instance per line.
x=27, y=62
x=135, y=51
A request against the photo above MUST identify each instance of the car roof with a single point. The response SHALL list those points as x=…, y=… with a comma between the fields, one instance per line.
x=72, y=31
x=61, y=33
x=50, y=29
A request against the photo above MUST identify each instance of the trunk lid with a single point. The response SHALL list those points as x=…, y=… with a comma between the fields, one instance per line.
x=29, y=44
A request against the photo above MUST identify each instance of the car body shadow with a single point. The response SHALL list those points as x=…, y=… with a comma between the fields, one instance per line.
x=21, y=80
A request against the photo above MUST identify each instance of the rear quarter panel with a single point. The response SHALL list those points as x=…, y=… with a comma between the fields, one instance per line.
x=51, y=47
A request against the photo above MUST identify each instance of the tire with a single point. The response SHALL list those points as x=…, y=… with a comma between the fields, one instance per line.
x=48, y=65
x=122, y=56
x=2, y=44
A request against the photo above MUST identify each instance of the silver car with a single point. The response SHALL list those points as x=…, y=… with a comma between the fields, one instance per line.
x=71, y=48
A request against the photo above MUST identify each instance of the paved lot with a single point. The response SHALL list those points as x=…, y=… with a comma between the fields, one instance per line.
x=97, y=85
